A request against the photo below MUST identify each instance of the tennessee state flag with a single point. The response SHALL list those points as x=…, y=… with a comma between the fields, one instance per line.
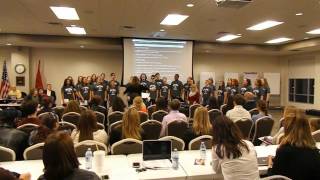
x=39, y=84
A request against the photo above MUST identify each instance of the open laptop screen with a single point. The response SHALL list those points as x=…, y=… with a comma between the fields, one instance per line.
x=156, y=149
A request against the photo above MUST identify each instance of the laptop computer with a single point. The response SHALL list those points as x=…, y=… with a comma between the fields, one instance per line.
x=156, y=154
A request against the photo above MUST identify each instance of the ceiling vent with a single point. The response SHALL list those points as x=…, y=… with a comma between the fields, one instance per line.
x=232, y=3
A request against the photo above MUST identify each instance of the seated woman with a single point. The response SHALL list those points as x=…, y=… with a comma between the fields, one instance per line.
x=72, y=106
x=87, y=129
x=46, y=105
x=117, y=105
x=213, y=103
x=139, y=105
x=234, y=156
x=297, y=157
x=60, y=160
x=263, y=110
x=49, y=125
x=130, y=127
x=201, y=125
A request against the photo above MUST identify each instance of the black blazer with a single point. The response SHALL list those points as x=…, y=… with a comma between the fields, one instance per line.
x=53, y=95
x=296, y=163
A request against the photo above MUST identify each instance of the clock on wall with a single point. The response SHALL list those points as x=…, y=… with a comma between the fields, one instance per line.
x=20, y=68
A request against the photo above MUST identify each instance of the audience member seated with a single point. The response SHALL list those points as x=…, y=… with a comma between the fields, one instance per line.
x=130, y=127
x=46, y=105
x=139, y=105
x=9, y=136
x=60, y=160
x=88, y=130
x=72, y=106
x=235, y=157
x=250, y=101
x=194, y=95
x=7, y=175
x=201, y=125
x=263, y=110
x=161, y=104
x=49, y=125
x=29, y=111
x=238, y=112
x=33, y=95
x=297, y=157
x=213, y=103
x=14, y=92
x=117, y=105
x=95, y=105
x=174, y=115
x=228, y=106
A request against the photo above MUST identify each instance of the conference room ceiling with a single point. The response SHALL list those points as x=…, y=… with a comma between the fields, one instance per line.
x=107, y=18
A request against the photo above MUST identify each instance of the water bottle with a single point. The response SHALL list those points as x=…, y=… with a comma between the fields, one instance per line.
x=203, y=151
x=88, y=158
x=175, y=159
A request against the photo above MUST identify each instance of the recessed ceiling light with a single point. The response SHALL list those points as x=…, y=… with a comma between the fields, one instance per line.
x=82, y=46
x=190, y=5
x=8, y=44
x=278, y=40
x=315, y=31
x=228, y=37
x=76, y=30
x=66, y=13
x=173, y=19
x=162, y=30
x=299, y=14
x=264, y=25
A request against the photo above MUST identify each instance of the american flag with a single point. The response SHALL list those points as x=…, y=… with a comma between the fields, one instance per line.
x=5, y=84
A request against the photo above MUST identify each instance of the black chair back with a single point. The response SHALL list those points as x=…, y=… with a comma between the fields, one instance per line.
x=151, y=129
x=158, y=115
x=245, y=127
x=177, y=128
x=263, y=127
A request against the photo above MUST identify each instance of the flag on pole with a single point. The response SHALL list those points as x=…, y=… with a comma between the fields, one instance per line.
x=5, y=84
x=39, y=84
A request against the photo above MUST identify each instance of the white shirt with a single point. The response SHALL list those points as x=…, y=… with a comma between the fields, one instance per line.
x=99, y=135
x=238, y=113
x=242, y=168
x=48, y=92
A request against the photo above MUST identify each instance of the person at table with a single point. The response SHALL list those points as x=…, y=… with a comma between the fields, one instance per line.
x=250, y=101
x=153, y=90
x=14, y=93
x=158, y=81
x=99, y=89
x=235, y=157
x=129, y=128
x=220, y=93
x=206, y=93
x=87, y=129
x=238, y=112
x=34, y=95
x=194, y=95
x=67, y=91
x=8, y=175
x=113, y=78
x=257, y=90
x=228, y=106
x=165, y=89
x=84, y=91
x=29, y=111
x=117, y=105
x=297, y=156
x=176, y=90
x=134, y=89
x=139, y=105
x=51, y=93
x=103, y=78
x=263, y=111
x=72, y=106
x=174, y=115
x=246, y=86
x=265, y=90
x=186, y=88
x=143, y=81
x=11, y=137
x=60, y=160
x=46, y=105
x=201, y=125
x=50, y=124
x=213, y=103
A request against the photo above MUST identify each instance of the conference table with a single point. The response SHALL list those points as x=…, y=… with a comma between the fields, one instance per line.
x=119, y=167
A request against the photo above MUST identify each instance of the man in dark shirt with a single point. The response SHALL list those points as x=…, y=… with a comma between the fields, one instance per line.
x=186, y=88
x=153, y=90
x=176, y=88
x=206, y=93
x=158, y=81
x=164, y=90
x=114, y=78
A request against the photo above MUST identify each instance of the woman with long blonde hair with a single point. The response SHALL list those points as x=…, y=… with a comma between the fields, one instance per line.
x=201, y=125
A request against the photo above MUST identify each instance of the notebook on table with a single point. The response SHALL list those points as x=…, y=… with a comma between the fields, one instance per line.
x=156, y=154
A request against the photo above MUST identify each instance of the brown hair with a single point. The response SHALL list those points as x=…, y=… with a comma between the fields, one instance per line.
x=138, y=103
x=72, y=106
x=174, y=105
x=265, y=82
x=48, y=126
x=135, y=80
x=297, y=132
x=131, y=124
x=227, y=139
x=239, y=99
x=59, y=157
x=262, y=106
x=201, y=124
x=87, y=125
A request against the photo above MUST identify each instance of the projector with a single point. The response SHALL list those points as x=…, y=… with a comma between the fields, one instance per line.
x=232, y=3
